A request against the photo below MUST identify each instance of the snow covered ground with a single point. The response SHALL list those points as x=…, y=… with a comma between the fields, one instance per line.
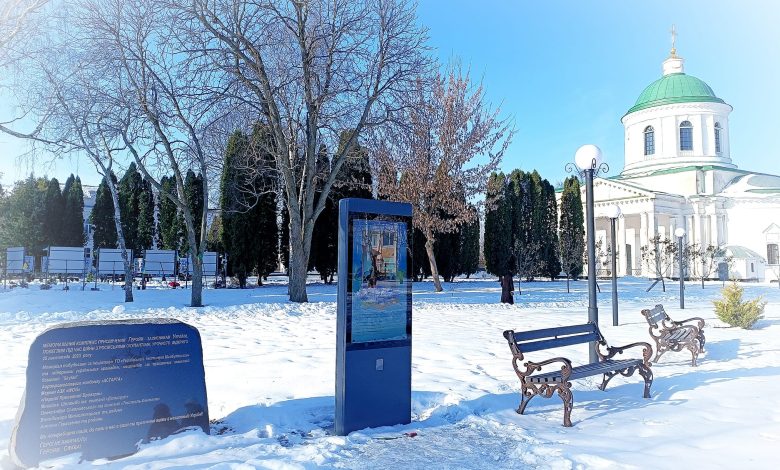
x=270, y=370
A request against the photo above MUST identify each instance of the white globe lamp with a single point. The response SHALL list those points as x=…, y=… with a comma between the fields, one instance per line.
x=613, y=211
x=588, y=157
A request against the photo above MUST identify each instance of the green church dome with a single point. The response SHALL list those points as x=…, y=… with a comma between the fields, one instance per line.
x=675, y=88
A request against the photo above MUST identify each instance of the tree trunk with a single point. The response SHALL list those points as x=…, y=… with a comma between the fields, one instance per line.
x=432, y=259
x=196, y=296
x=297, y=276
x=663, y=284
x=196, y=299
x=568, y=291
x=126, y=263
x=507, y=288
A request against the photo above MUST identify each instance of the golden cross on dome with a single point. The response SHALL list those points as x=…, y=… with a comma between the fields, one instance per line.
x=674, y=40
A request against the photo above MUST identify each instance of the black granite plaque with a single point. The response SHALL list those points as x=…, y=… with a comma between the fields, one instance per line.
x=100, y=389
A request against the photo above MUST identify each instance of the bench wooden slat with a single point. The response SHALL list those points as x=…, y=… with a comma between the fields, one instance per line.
x=680, y=334
x=532, y=346
x=553, y=332
x=585, y=370
x=657, y=315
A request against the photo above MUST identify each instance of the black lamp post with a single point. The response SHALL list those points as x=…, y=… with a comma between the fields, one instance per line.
x=588, y=163
x=613, y=212
x=680, y=233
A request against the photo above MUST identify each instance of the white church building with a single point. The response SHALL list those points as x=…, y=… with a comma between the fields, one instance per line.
x=679, y=172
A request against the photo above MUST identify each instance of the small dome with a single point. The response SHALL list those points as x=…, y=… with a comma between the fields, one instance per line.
x=675, y=88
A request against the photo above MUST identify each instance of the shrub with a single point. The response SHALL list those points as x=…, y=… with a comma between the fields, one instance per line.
x=733, y=310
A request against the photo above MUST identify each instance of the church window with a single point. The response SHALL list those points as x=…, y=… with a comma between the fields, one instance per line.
x=772, y=254
x=717, y=137
x=649, y=140
x=686, y=135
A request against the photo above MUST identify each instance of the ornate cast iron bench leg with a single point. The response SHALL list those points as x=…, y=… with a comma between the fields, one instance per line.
x=564, y=391
x=607, y=377
x=526, y=394
x=693, y=347
x=701, y=340
x=646, y=374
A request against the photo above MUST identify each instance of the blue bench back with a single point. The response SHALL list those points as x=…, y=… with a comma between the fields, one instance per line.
x=548, y=338
x=655, y=315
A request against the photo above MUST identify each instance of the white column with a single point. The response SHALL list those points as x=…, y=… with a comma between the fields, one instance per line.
x=714, y=238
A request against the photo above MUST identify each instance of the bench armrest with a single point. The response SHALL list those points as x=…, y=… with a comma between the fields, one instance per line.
x=696, y=319
x=612, y=351
x=531, y=367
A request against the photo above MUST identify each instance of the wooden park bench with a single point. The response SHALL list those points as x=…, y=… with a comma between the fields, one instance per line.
x=670, y=335
x=534, y=382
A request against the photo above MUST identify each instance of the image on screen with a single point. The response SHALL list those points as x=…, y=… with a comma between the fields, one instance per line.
x=379, y=284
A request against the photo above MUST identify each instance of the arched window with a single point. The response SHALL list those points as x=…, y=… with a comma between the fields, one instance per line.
x=686, y=135
x=772, y=254
x=717, y=137
x=649, y=140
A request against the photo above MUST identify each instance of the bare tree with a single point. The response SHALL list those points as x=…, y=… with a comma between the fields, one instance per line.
x=162, y=100
x=659, y=256
x=63, y=98
x=441, y=155
x=308, y=70
x=14, y=17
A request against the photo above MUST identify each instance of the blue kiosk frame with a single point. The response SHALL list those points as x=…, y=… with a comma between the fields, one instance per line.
x=374, y=320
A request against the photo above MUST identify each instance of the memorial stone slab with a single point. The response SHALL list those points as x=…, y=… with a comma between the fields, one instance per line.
x=99, y=389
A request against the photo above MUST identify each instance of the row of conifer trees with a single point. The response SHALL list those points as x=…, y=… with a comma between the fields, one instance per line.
x=523, y=234
x=137, y=206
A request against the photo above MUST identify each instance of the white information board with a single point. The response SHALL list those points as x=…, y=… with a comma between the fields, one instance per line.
x=160, y=262
x=110, y=261
x=66, y=260
x=210, y=266
x=14, y=260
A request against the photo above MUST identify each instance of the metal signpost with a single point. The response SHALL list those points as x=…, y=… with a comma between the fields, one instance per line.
x=374, y=321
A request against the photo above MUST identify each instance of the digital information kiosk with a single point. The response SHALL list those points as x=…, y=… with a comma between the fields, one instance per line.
x=374, y=331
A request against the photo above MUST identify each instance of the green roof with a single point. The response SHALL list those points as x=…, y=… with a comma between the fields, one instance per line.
x=675, y=88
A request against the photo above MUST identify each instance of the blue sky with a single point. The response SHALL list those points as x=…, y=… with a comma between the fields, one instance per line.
x=567, y=71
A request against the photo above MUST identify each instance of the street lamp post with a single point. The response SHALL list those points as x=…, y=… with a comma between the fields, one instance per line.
x=588, y=161
x=613, y=212
x=680, y=233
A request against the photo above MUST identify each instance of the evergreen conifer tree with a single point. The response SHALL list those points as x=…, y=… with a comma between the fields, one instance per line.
x=572, y=230
x=324, y=247
x=193, y=190
x=102, y=217
x=422, y=268
x=551, y=265
x=354, y=178
x=469, y=247
x=498, y=246
x=73, y=218
x=146, y=223
x=170, y=230
x=267, y=231
x=237, y=214
x=54, y=211
x=446, y=251
x=129, y=189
